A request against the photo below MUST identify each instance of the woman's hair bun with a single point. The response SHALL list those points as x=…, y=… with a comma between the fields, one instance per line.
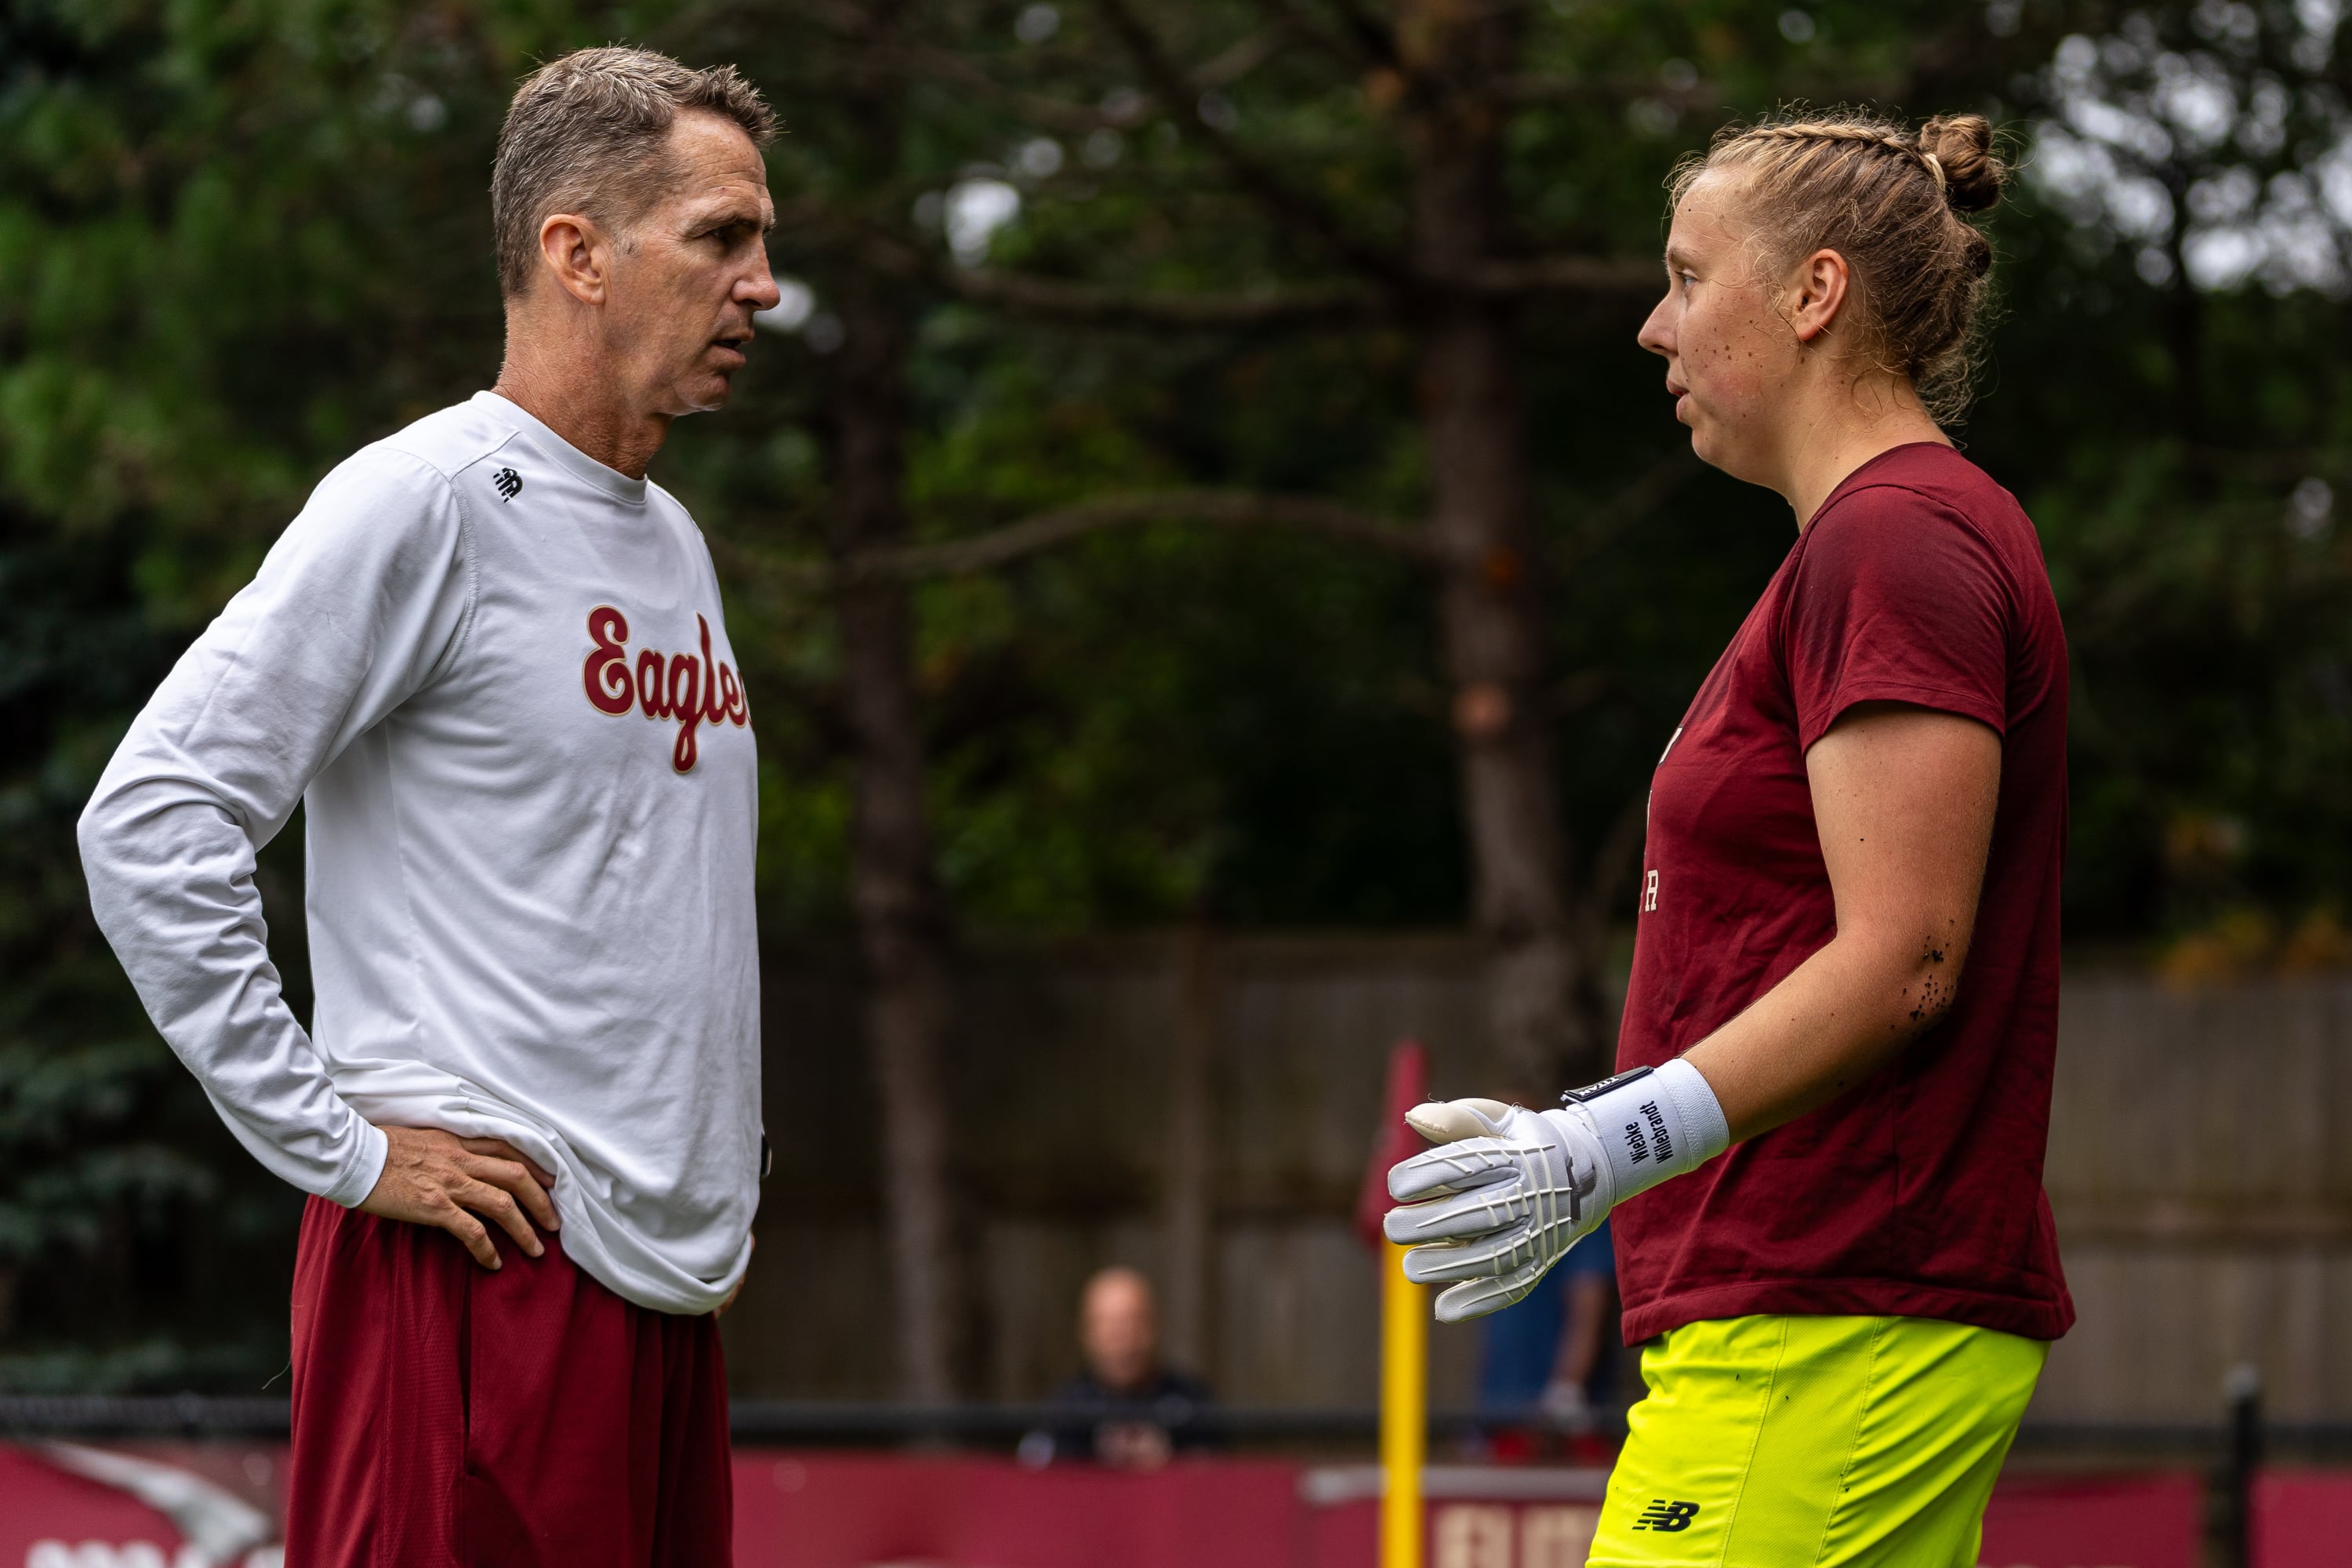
x=1973, y=172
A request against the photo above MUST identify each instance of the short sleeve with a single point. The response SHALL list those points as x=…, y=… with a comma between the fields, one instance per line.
x=1897, y=599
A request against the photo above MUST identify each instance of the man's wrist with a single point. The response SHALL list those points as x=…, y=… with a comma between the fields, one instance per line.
x=365, y=1167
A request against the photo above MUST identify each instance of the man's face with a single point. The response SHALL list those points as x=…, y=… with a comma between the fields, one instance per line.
x=1117, y=1330
x=688, y=273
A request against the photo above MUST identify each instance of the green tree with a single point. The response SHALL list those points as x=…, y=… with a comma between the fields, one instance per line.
x=1138, y=313
x=234, y=242
x=2177, y=279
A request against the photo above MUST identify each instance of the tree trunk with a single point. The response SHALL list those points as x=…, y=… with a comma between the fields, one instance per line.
x=902, y=922
x=1549, y=1025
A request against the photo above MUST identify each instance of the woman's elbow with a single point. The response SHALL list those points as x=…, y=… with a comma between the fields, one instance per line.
x=1931, y=984
x=1927, y=1001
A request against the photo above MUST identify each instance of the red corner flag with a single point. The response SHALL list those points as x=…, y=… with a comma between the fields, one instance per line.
x=1408, y=1086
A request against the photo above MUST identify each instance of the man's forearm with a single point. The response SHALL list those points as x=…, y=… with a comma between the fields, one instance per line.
x=171, y=881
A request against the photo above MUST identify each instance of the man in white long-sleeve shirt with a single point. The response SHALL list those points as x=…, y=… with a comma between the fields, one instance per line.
x=488, y=657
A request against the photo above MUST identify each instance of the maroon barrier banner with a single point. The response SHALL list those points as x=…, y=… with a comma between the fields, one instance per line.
x=42, y=1506
x=2108, y=1521
x=156, y=1505
x=2302, y=1519
x=193, y=1505
x=830, y=1510
x=1478, y=1516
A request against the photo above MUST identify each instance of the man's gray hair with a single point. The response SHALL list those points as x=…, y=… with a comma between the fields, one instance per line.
x=585, y=134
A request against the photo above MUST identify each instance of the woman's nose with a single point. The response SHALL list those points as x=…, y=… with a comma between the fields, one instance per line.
x=1658, y=333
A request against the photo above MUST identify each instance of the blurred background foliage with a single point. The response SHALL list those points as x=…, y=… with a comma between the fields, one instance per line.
x=237, y=239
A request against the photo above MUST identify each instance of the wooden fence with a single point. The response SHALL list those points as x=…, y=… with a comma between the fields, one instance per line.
x=2203, y=1204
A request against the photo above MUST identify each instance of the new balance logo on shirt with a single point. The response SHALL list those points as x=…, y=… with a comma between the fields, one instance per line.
x=1668, y=1517
x=510, y=484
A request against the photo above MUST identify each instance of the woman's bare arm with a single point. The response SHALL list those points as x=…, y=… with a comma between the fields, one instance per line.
x=1904, y=798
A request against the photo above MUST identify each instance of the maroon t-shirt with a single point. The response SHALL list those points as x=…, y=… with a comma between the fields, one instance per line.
x=1918, y=1192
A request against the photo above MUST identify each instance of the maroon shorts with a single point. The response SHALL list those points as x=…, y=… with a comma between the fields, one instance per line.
x=446, y=1417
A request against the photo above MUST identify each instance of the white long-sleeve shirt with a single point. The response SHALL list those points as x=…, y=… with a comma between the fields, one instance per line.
x=495, y=670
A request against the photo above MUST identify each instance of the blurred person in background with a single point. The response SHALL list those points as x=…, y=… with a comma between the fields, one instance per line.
x=1126, y=1408
x=1823, y=1150
x=1548, y=1365
x=489, y=657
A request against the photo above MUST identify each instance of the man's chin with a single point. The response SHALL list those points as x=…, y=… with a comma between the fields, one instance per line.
x=705, y=394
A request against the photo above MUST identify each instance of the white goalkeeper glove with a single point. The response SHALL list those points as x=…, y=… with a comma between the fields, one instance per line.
x=1509, y=1191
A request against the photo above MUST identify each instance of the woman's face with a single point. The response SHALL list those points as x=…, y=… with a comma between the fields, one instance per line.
x=1729, y=352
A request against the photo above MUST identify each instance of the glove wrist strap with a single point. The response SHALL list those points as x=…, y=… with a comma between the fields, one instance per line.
x=1654, y=1123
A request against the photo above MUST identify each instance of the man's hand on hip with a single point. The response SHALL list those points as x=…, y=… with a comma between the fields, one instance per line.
x=436, y=1178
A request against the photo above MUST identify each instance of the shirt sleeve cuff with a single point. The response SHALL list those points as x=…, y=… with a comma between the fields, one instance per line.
x=1985, y=710
x=365, y=1168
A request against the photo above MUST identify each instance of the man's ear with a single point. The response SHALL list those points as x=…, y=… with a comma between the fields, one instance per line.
x=1817, y=293
x=578, y=253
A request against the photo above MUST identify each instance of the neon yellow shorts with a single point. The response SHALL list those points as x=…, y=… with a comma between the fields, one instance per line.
x=1773, y=1442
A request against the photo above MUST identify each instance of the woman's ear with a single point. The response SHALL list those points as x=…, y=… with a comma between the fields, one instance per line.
x=1816, y=294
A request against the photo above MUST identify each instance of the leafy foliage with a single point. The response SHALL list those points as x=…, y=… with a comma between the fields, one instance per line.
x=235, y=241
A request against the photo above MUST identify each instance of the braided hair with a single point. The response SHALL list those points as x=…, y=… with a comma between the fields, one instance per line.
x=1893, y=202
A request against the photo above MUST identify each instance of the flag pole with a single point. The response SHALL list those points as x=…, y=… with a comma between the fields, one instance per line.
x=1405, y=1318
x=1405, y=1408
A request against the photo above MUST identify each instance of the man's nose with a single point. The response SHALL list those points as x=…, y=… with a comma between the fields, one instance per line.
x=759, y=290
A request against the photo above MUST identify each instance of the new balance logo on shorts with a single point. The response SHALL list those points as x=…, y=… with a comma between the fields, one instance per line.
x=1666, y=1516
